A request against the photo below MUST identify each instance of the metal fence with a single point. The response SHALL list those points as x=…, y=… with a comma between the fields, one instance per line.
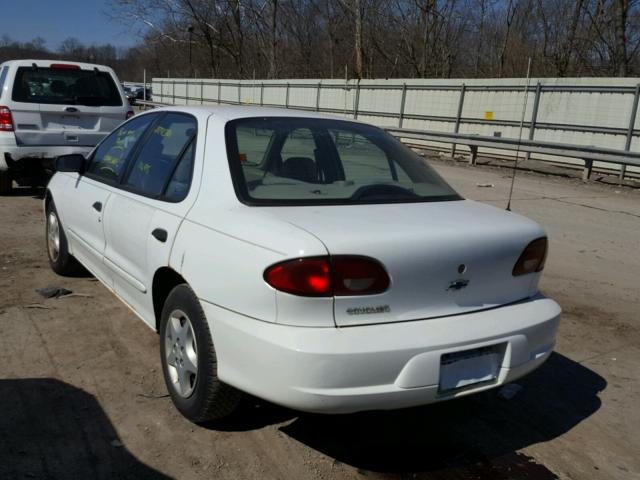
x=593, y=112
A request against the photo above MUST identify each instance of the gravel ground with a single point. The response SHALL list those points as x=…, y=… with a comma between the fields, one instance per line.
x=82, y=396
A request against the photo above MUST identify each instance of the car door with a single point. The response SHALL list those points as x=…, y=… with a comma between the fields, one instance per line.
x=89, y=197
x=144, y=216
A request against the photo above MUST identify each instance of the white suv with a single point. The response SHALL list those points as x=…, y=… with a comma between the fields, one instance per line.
x=50, y=108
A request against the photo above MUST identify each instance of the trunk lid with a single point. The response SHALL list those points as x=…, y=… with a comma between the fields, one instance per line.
x=443, y=258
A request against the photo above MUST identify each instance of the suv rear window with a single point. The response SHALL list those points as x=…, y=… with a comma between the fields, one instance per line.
x=63, y=86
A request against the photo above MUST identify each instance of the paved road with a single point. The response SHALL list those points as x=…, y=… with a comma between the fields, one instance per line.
x=81, y=392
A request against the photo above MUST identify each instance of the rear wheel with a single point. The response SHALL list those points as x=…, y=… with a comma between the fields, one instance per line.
x=60, y=260
x=189, y=361
x=5, y=182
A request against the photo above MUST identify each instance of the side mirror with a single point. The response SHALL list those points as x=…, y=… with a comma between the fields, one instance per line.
x=70, y=163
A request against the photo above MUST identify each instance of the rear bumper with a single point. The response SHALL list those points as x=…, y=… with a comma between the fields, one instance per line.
x=387, y=366
x=17, y=153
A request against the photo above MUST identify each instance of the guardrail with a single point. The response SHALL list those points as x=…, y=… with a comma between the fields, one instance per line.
x=586, y=153
x=151, y=104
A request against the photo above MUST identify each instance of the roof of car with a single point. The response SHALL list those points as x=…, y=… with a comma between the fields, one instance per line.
x=44, y=63
x=232, y=112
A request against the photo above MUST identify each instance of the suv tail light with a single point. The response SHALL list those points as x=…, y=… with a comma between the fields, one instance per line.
x=532, y=258
x=6, y=120
x=129, y=115
x=65, y=66
x=339, y=275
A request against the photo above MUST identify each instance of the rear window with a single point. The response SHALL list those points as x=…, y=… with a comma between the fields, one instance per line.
x=307, y=161
x=61, y=86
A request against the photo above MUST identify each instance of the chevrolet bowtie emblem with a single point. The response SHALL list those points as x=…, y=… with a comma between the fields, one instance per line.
x=458, y=284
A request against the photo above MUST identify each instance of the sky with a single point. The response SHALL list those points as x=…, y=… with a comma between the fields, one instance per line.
x=56, y=20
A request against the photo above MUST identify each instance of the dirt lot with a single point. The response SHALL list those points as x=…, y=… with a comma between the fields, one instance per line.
x=82, y=396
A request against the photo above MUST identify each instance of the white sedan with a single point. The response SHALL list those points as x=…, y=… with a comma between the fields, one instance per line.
x=314, y=262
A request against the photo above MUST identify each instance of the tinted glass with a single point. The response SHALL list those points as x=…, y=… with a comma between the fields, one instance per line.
x=362, y=158
x=158, y=156
x=181, y=180
x=301, y=161
x=65, y=87
x=111, y=155
x=299, y=143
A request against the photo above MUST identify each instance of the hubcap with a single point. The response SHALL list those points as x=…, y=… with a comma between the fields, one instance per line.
x=53, y=236
x=181, y=353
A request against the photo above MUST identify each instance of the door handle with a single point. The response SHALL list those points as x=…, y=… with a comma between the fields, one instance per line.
x=97, y=206
x=160, y=234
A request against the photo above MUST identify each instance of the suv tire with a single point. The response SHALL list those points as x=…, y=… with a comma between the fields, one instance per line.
x=6, y=182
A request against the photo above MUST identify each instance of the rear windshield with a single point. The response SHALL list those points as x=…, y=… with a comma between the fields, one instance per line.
x=62, y=86
x=304, y=161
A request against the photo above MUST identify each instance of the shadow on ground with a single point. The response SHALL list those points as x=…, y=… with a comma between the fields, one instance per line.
x=28, y=191
x=51, y=430
x=475, y=437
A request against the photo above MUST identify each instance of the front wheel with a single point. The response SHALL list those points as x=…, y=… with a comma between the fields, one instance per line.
x=189, y=361
x=60, y=260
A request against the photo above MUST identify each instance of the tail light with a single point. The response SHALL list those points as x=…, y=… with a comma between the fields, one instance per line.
x=340, y=275
x=358, y=276
x=532, y=258
x=310, y=277
x=6, y=120
x=65, y=66
x=129, y=115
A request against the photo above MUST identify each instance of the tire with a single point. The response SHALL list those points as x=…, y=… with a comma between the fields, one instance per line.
x=186, y=344
x=6, y=182
x=60, y=260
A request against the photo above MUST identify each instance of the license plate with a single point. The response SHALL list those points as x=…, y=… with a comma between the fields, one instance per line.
x=469, y=367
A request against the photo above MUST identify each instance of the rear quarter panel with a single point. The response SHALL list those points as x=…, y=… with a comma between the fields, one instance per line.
x=223, y=247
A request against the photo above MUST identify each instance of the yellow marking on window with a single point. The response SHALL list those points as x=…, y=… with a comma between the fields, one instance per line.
x=165, y=132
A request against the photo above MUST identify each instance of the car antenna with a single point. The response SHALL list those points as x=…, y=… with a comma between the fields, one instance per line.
x=524, y=110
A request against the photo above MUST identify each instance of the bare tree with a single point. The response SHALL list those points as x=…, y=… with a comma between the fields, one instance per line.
x=355, y=8
x=406, y=38
x=510, y=13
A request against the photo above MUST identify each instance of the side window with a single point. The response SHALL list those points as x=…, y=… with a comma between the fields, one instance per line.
x=3, y=77
x=111, y=156
x=160, y=152
x=181, y=179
